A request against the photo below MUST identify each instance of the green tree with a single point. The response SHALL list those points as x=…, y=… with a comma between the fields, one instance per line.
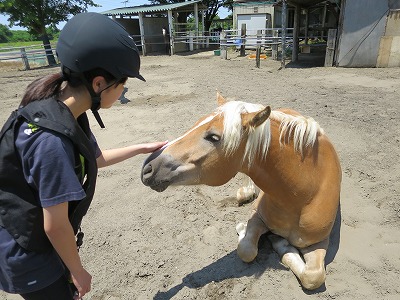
x=36, y=15
x=212, y=9
x=5, y=33
x=21, y=36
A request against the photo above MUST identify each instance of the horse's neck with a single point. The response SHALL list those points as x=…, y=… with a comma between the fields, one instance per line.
x=270, y=170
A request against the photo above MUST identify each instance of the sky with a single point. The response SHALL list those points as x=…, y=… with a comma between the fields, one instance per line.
x=105, y=5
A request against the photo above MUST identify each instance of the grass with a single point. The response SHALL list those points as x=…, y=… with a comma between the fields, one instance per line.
x=31, y=45
x=20, y=44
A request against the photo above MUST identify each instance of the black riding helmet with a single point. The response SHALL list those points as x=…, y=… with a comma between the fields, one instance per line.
x=91, y=40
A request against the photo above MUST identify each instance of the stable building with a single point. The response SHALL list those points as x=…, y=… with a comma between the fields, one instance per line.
x=352, y=33
x=155, y=28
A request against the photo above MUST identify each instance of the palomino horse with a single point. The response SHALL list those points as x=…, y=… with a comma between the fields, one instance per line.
x=289, y=158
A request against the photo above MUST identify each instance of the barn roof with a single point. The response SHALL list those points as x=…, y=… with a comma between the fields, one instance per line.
x=133, y=10
x=301, y=3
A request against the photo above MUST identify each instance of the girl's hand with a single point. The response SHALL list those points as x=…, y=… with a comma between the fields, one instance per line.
x=82, y=281
x=151, y=147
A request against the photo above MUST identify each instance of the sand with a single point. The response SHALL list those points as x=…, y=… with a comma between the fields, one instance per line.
x=181, y=244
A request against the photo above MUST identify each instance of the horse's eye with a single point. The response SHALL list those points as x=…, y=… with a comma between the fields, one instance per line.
x=213, y=138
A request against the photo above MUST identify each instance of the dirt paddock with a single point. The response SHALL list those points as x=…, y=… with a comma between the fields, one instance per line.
x=181, y=244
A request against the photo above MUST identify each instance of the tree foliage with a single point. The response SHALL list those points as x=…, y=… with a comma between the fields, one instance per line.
x=5, y=33
x=36, y=15
x=212, y=8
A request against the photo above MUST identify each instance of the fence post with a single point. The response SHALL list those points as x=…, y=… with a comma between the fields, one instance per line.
x=258, y=53
x=191, y=41
x=330, y=47
x=275, y=41
x=25, y=59
x=222, y=43
x=142, y=38
x=243, y=40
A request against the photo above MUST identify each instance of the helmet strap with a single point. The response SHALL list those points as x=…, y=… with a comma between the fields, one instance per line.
x=96, y=99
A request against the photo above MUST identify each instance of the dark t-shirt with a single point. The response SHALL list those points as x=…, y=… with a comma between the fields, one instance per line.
x=48, y=161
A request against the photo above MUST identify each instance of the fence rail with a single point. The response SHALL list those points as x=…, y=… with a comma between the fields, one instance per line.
x=36, y=54
x=269, y=39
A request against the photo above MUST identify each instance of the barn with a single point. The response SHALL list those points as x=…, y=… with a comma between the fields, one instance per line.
x=156, y=28
x=352, y=33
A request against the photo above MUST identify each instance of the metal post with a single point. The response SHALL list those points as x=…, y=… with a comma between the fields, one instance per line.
x=203, y=33
x=284, y=12
x=171, y=33
x=196, y=22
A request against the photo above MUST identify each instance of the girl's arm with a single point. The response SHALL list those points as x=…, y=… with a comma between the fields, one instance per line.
x=113, y=156
x=61, y=235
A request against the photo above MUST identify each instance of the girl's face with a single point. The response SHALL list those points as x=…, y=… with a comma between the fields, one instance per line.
x=111, y=95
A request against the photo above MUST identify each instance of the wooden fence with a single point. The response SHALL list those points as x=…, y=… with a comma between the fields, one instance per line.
x=35, y=54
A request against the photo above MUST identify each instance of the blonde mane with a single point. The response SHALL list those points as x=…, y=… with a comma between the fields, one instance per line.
x=303, y=130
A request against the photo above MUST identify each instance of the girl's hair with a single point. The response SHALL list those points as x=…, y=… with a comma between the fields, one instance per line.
x=50, y=85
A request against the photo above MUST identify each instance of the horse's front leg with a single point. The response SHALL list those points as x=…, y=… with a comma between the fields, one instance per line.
x=250, y=234
x=311, y=270
x=314, y=275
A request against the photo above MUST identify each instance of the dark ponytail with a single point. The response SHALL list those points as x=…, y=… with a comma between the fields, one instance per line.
x=43, y=88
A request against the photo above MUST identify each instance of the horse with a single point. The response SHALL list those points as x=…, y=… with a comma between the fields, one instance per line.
x=290, y=159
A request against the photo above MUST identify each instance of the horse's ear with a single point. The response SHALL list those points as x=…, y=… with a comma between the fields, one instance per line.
x=257, y=118
x=220, y=100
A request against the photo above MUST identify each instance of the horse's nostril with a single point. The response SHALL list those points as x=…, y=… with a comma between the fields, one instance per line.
x=147, y=169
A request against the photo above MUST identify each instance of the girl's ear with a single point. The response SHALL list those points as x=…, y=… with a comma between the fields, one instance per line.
x=98, y=83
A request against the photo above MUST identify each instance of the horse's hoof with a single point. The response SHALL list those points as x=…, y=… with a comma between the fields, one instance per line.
x=247, y=252
x=241, y=230
x=245, y=195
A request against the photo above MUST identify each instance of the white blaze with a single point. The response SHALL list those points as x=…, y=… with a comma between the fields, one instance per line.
x=206, y=120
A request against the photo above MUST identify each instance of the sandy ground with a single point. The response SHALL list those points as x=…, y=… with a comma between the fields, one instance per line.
x=181, y=244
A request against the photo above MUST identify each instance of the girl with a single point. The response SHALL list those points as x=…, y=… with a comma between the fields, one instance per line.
x=49, y=159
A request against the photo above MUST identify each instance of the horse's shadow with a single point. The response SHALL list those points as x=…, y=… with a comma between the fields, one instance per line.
x=230, y=266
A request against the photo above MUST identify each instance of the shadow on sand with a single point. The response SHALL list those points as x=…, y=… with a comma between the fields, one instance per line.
x=230, y=266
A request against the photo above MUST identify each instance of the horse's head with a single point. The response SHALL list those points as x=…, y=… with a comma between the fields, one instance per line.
x=211, y=152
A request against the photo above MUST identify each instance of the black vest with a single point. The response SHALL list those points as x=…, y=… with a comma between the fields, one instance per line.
x=20, y=213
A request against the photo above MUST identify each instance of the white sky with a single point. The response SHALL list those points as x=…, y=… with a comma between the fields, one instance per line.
x=105, y=5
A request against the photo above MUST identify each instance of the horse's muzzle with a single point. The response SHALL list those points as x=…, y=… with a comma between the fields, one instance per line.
x=149, y=179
